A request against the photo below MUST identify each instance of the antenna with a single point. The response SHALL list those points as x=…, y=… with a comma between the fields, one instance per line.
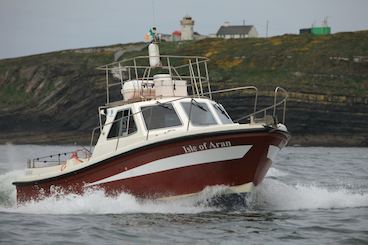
x=325, y=22
x=314, y=23
x=267, y=28
x=153, y=13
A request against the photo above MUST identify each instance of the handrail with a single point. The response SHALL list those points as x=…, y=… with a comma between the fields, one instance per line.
x=283, y=101
x=88, y=153
x=203, y=59
x=193, y=68
x=194, y=65
x=274, y=106
x=255, y=112
x=57, y=157
x=236, y=89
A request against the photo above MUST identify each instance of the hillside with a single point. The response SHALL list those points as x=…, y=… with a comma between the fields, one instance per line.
x=52, y=98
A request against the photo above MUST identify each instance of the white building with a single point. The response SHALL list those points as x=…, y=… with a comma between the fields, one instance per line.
x=186, y=33
x=187, y=24
x=242, y=31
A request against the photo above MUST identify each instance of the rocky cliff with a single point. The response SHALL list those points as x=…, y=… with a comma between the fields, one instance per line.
x=53, y=97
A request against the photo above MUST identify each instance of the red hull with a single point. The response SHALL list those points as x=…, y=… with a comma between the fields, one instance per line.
x=252, y=167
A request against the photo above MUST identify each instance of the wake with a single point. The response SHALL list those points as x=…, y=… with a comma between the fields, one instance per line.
x=272, y=194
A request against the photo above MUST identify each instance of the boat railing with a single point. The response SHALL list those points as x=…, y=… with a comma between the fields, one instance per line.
x=192, y=69
x=268, y=111
x=58, y=158
x=278, y=104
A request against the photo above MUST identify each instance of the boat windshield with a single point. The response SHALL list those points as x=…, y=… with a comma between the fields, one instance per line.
x=224, y=117
x=199, y=113
x=160, y=116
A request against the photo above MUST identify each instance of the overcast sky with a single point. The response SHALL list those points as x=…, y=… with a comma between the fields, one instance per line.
x=38, y=26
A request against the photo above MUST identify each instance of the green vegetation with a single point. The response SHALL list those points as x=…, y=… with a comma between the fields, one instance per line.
x=30, y=79
x=326, y=76
x=301, y=63
x=11, y=95
x=327, y=65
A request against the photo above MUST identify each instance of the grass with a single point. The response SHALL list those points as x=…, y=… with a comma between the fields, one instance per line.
x=300, y=63
x=11, y=95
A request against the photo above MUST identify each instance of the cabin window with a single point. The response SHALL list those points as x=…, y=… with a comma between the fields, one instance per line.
x=160, y=116
x=123, y=124
x=199, y=113
x=222, y=114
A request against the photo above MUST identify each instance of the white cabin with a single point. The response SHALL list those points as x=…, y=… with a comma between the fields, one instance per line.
x=134, y=123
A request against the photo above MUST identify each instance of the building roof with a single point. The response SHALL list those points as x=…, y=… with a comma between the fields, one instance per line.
x=176, y=33
x=233, y=30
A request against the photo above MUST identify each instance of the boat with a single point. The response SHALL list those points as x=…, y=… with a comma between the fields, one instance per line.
x=164, y=136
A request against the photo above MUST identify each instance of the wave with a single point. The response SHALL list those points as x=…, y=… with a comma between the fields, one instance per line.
x=274, y=172
x=7, y=190
x=272, y=194
x=96, y=202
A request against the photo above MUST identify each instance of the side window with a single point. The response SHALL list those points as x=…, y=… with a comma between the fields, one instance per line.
x=123, y=125
x=160, y=116
x=199, y=113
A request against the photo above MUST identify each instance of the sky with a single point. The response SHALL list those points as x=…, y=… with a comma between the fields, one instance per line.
x=38, y=26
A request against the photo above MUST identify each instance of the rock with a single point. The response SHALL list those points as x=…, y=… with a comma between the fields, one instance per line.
x=46, y=97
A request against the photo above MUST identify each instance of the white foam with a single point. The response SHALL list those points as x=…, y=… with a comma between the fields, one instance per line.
x=276, y=195
x=273, y=172
x=272, y=194
x=96, y=202
x=7, y=190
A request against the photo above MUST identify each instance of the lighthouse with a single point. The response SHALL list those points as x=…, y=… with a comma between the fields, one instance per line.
x=187, y=24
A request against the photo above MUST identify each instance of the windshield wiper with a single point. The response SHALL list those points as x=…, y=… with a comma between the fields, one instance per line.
x=198, y=105
x=222, y=111
x=165, y=106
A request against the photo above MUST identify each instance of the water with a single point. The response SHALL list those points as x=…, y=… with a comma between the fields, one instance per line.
x=310, y=196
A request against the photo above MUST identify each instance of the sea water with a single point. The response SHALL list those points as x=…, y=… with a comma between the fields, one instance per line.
x=311, y=195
